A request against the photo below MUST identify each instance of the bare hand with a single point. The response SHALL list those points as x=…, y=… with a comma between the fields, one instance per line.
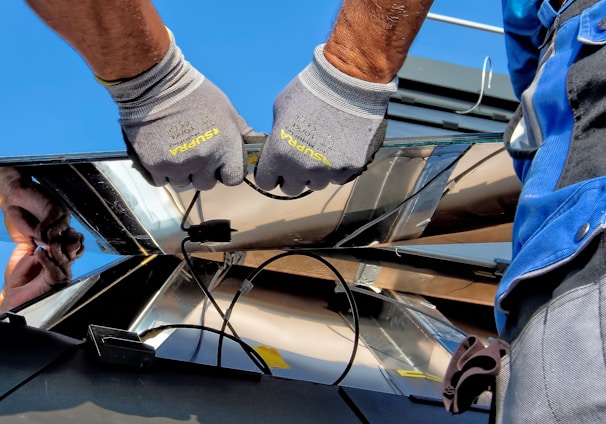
x=46, y=245
x=34, y=213
x=32, y=271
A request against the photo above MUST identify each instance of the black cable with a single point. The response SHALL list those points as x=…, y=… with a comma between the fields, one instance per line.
x=354, y=309
x=225, y=323
x=201, y=283
x=198, y=346
x=204, y=289
x=254, y=273
x=188, y=210
x=249, y=350
x=196, y=276
x=276, y=196
x=184, y=228
x=196, y=351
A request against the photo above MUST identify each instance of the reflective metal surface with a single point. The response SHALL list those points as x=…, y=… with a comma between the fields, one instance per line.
x=414, y=188
x=404, y=345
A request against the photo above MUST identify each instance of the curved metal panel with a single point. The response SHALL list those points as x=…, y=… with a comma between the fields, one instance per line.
x=411, y=185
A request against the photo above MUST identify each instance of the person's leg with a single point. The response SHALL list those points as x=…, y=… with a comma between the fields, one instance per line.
x=556, y=370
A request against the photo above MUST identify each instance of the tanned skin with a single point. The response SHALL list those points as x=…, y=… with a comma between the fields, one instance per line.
x=123, y=38
x=371, y=38
x=119, y=39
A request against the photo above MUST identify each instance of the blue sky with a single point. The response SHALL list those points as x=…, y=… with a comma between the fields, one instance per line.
x=251, y=50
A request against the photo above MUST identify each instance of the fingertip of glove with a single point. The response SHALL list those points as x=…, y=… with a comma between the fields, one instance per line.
x=317, y=185
x=290, y=187
x=204, y=184
x=231, y=176
x=231, y=182
x=263, y=181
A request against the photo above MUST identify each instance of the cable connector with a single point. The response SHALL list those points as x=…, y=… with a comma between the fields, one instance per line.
x=120, y=347
x=227, y=315
x=246, y=286
x=216, y=230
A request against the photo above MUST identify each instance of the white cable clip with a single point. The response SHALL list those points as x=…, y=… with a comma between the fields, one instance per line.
x=487, y=61
x=246, y=286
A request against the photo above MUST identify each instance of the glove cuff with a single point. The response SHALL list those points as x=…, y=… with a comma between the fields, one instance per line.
x=344, y=92
x=161, y=86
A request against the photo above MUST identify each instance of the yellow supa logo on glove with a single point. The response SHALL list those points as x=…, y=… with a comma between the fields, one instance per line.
x=307, y=151
x=195, y=142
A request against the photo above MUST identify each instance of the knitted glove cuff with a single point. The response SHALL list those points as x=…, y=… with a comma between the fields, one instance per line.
x=156, y=89
x=344, y=92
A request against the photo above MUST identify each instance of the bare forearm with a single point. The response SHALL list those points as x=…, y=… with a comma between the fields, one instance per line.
x=117, y=38
x=371, y=38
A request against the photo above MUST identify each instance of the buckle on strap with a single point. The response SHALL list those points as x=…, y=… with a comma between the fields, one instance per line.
x=472, y=370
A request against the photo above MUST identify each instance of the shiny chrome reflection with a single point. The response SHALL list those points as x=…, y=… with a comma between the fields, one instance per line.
x=415, y=188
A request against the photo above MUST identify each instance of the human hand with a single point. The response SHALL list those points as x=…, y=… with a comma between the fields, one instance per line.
x=179, y=127
x=32, y=213
x=32, y=271
x=34, y=218
x=327, y=128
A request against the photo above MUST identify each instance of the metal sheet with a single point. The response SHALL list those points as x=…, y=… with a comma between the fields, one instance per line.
x=394, y=200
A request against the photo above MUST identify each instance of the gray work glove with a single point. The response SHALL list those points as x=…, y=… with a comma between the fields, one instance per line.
x=179, y=128
x=327, y=128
